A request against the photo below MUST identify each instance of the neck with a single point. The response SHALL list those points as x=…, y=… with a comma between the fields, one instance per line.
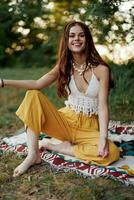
x=79, y=58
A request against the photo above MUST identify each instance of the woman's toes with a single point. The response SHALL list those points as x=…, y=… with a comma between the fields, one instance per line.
x=17, y=172
x=25, y=165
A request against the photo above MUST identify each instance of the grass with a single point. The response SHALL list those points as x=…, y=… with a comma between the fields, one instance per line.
x=41, y=182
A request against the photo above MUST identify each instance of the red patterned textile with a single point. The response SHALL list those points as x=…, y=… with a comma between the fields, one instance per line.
x=86, y=170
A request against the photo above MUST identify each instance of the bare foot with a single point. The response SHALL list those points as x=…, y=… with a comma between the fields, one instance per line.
x=43, y=143
x=24, y=166
x=64, y=147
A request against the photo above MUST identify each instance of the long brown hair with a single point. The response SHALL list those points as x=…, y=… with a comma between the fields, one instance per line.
x=65, y=57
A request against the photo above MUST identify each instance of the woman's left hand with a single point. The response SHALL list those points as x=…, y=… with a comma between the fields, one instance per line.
x=103, y=148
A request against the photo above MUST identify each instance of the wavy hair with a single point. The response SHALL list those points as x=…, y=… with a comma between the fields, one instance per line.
x=65, y=57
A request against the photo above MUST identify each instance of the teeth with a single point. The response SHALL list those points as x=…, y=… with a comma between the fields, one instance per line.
x=77, y=44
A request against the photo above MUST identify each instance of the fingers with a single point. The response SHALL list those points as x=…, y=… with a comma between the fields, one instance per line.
x=100, y=153
x=104, y=153
x=103, y=150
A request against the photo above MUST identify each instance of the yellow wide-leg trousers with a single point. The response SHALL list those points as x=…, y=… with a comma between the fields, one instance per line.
x=40, y=115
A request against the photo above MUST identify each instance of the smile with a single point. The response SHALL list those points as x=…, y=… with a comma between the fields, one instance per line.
x=77, y=45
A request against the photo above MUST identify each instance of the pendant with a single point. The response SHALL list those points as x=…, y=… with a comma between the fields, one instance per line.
x=80, y=73
x=80, y=70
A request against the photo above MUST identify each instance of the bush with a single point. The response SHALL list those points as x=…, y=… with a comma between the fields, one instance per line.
x=121, y=96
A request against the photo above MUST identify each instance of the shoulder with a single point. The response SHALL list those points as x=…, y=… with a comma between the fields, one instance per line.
x=102, y=71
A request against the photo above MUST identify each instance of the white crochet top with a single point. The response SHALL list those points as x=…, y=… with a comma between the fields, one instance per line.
x=87, y=102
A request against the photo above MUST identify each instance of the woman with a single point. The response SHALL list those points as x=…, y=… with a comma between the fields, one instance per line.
x=82, y=125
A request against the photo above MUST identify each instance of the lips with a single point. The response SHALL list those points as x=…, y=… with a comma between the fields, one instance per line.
x=77, y=45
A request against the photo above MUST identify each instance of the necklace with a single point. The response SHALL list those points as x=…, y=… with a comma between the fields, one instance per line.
x=81, y=67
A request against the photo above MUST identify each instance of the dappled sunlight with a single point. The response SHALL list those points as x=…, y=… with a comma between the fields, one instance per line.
x=40, y=22
x=50, y=5
x=120, y=54
x=37, y=25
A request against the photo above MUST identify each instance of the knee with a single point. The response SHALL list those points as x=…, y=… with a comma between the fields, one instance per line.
x=115, y=152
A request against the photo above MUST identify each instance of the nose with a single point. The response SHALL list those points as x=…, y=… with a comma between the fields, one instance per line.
x=76, y=37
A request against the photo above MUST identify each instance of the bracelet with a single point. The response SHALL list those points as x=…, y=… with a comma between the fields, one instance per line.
x=2, y=83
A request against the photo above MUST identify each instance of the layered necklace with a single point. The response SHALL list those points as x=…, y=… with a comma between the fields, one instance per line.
x=80, y=68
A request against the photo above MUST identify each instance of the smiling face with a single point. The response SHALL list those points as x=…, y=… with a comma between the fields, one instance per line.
x=76, y=39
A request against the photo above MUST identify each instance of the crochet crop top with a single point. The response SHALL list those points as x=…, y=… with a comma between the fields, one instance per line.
x=87, y=102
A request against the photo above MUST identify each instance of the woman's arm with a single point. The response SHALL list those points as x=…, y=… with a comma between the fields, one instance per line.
x=103, y=111
x=42, y=82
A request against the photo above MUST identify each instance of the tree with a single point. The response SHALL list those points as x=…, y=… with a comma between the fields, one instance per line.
x=29, y=30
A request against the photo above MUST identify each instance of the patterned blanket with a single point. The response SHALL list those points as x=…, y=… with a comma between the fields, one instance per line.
x=122, y=170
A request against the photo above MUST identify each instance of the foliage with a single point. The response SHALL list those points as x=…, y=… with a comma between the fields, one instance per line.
x=19, y=33
x=30, y=30
x=121, y=97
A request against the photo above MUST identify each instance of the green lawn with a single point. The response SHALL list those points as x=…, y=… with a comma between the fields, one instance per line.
x=40, y=182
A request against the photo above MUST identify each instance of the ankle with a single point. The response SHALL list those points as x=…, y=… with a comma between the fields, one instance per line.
x=33, y=156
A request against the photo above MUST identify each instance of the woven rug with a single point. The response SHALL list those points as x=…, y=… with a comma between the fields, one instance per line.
x=122, y=170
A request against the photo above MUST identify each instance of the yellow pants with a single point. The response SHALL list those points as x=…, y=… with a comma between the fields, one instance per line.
x=39, y=114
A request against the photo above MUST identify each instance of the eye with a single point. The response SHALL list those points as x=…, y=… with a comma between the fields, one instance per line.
x=71, y=35
x=82, y=35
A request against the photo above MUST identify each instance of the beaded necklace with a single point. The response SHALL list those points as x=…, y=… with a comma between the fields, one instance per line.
x=81, y=68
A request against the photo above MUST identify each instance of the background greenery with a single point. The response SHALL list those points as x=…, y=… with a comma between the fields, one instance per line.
x=41, y=182
x=30, y=30
x=29, y=36
x=121, y=101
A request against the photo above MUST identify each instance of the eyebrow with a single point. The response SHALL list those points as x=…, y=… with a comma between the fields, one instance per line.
x=74, y=32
